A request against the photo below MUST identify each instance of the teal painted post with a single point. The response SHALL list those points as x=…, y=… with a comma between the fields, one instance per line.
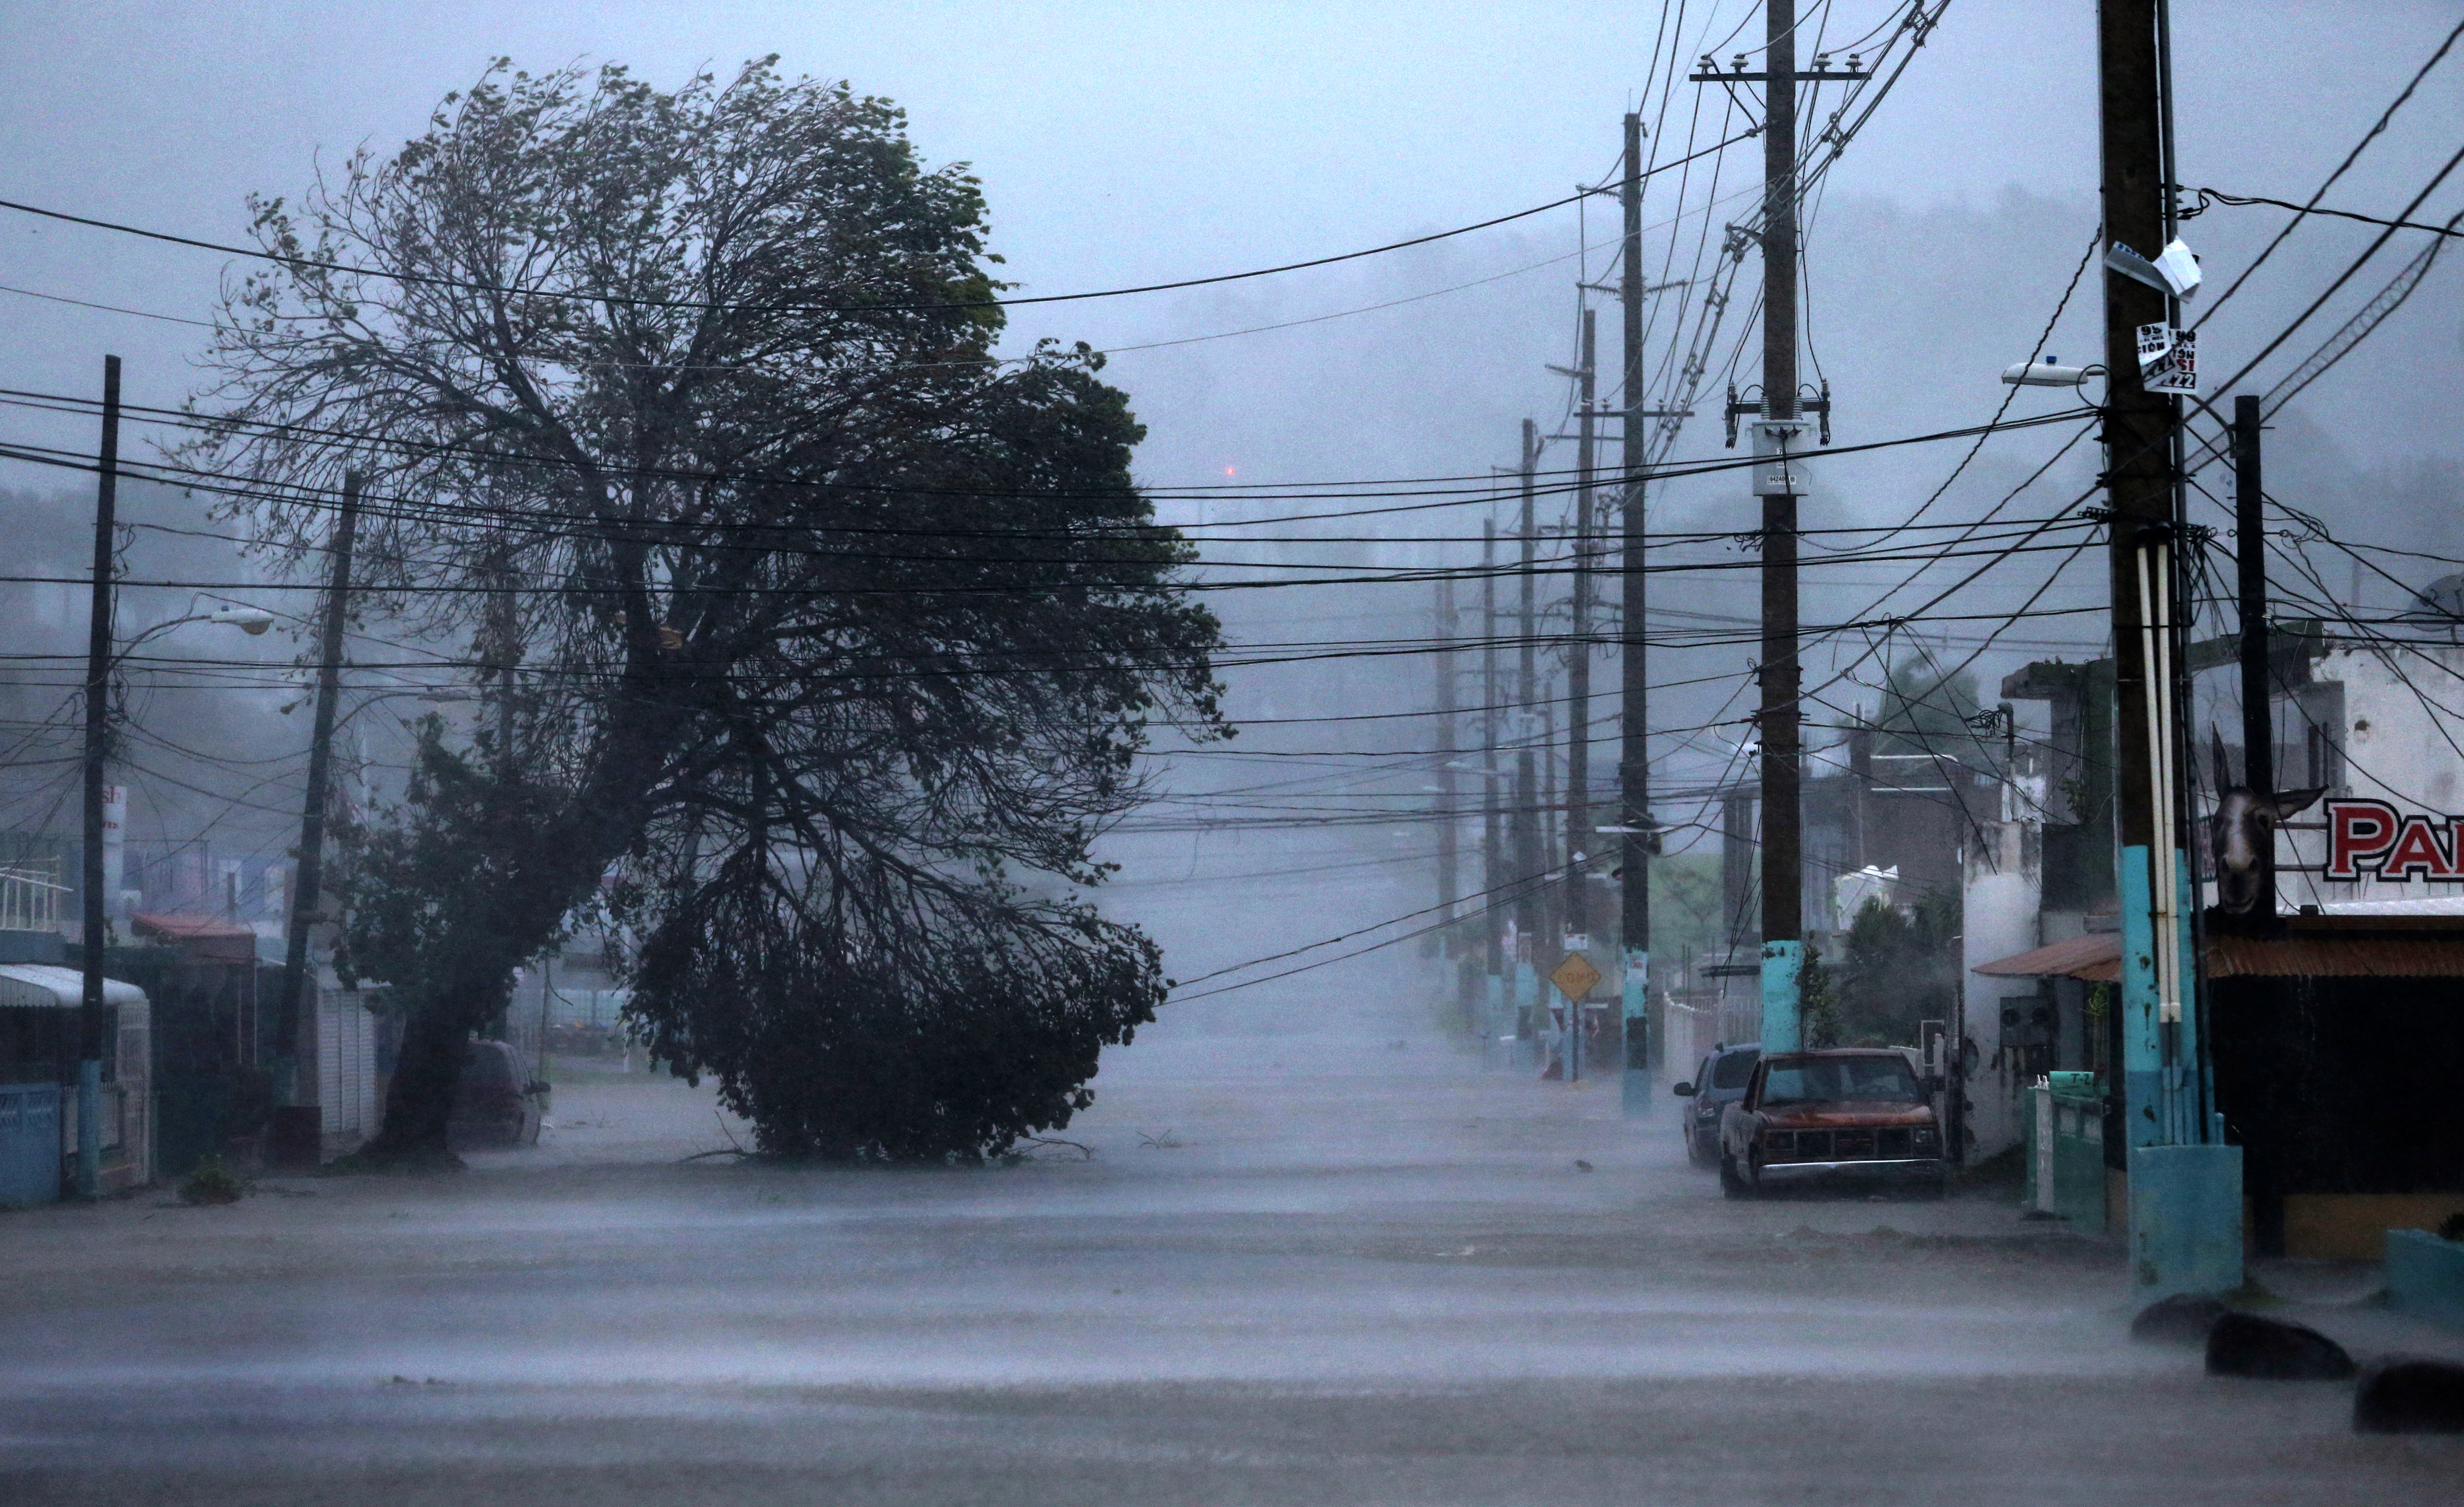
x=89, y=1100
x=2142, y=1045
x=1634, y=1090
x=1783, y=970
x=1518, y=1009
x=2190, y=1128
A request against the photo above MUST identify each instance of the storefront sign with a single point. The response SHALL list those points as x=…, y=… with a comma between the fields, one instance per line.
x=2371, y=839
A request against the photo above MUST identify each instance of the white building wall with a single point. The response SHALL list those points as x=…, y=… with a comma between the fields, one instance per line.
x=2004, y=889
x=2400, y=732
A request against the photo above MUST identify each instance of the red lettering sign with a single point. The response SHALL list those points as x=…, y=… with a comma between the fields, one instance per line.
x=2417, y=853
x=2358, y=830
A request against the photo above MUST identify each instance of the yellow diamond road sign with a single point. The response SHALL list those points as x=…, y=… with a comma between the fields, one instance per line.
x=1576, y=976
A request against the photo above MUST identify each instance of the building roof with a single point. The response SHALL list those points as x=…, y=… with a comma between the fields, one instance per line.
x=205, y=935
x=2387, y=944
x=44, y=985
x=2095, y=957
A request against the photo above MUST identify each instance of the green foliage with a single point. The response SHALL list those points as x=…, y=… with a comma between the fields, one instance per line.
x=1898, y=969
x=1686, y=905
x=421, y=889
x=797, y=604
x=969, y=1022
x=1818, y=1002
x=213, y=1183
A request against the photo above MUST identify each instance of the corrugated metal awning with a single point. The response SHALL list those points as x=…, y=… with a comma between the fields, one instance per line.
x=44, y=985
x=2412, y=955
x=2095, y=957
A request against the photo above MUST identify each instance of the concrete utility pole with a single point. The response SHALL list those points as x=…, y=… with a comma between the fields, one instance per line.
x=1532, y=1006
x=301, y=1122
x=97, y=774
x=1634, y=747
x=2184, y=1184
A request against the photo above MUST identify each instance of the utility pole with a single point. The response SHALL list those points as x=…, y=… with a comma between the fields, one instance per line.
x=1783, y=828
x=303, y=1118
x=1634, y=747
x=1532, y=1006
x=2258, y=749
x=1449, y=878
x=1578, y=687
x=2184, y=1184
x=2257, y=711
x=1779, y=722
x=97, y=773
x=1492, y=845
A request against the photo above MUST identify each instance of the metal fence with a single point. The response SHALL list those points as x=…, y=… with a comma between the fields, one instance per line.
x=31, y=897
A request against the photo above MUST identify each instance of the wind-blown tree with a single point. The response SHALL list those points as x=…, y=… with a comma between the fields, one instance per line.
x=806, y=621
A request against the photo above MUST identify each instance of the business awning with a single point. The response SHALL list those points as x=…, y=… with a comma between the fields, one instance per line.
x=2095, y=956
x=44, y=985
x=2393, y=945
x=207, y=937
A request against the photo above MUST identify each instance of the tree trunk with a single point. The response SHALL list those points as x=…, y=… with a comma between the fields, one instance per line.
x=420, y=1098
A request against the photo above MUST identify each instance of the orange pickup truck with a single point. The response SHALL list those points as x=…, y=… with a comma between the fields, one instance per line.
x=1844, y=1113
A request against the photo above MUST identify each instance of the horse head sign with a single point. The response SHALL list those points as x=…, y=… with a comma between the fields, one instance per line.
x=2242, y=836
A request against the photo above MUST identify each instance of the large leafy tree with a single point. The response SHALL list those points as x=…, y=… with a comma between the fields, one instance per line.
x=804, y=619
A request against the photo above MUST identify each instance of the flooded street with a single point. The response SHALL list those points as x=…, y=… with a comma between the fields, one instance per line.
x=1351, y=1267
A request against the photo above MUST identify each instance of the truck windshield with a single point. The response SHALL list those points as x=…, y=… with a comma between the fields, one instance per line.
x=1834, y=1079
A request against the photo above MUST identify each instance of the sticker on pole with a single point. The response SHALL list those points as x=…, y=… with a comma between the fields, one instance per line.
x=2168, y=359
x=1574, y=977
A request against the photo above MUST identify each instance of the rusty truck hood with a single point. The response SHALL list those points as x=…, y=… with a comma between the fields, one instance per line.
x=1846, y=1114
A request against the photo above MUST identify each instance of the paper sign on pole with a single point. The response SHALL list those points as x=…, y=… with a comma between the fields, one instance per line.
x=2168, y=359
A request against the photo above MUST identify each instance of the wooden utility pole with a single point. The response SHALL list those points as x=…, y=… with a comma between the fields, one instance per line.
x=1493, y=845
x=1450, y=876
x=2185, y=1186
x=301, y=1122
x=1777, y=724
x=2257, y=709
x=1578, y=687
x=1780, y=723
x=1530, y=1006
x=1634, y=742
x=97, y=774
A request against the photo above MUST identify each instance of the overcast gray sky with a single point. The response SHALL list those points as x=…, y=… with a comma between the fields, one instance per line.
x=1121, y=144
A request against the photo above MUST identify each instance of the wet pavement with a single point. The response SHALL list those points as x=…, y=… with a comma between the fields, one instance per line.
x=1347, y=1268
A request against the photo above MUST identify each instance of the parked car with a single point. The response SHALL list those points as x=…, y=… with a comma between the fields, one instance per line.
x=1719, y=1081
x=1846, y=1112
x=496, y=1101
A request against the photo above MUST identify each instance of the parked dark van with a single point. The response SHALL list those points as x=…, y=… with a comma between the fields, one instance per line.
x=1719, y=1081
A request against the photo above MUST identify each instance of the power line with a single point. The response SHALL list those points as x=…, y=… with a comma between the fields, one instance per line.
x=468, y=285
x=2372, y=133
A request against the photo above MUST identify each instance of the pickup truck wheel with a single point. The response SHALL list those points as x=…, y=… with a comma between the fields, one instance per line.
x=1730, y=1183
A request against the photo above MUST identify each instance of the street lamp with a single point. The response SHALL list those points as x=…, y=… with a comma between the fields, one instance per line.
x=96, y=882
x=2048, y=373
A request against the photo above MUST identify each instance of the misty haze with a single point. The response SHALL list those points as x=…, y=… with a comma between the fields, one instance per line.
x=1386, y=754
